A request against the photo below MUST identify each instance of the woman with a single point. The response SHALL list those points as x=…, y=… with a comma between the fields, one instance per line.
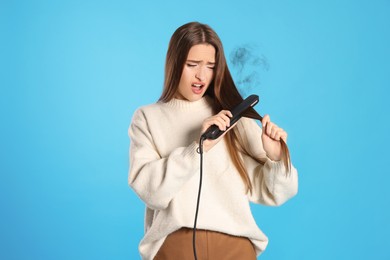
x=243, y=165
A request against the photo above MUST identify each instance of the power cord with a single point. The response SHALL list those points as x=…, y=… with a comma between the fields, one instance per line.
x=200, y=151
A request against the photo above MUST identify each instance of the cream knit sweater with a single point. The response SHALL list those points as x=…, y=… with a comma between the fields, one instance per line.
x=164, y=172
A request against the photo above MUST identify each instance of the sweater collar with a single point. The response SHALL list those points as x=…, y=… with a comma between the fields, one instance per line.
x=205, y=101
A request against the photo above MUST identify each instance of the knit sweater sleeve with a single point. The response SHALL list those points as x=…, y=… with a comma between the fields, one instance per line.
x=155, y=179
x=272, y=184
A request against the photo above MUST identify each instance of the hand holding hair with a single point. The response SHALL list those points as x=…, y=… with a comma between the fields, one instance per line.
x=272, y=138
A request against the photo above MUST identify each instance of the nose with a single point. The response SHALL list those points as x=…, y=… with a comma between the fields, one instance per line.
x=200, y=74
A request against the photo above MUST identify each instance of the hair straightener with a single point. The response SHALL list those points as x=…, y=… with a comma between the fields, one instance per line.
x=213, y=132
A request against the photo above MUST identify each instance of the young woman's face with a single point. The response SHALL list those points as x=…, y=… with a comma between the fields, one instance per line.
x=198, y=72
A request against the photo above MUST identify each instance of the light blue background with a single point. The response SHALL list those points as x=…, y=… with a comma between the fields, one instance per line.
x=73, y=72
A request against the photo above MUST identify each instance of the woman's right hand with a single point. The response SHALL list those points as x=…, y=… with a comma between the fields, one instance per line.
x=222, y=120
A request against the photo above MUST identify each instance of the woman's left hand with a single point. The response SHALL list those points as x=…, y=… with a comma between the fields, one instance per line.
x=271, y=139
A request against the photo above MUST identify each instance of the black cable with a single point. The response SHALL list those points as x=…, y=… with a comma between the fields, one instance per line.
x=200, y=151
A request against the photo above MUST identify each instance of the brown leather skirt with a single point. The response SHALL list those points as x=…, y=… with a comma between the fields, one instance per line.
x=210, y=245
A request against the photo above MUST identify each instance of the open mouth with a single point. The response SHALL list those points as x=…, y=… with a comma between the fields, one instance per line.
x=198, y=86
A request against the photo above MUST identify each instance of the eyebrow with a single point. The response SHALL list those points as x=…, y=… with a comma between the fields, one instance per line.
x=198, y=61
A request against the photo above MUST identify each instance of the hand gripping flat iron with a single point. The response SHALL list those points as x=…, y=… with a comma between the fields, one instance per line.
x=213, y=132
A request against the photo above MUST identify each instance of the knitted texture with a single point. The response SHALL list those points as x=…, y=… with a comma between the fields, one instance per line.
x=164, y=173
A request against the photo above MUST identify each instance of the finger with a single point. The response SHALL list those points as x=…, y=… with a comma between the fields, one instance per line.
x=265, y=120
x=274, y=131
x=227, y=113
x=284, y=136
x=207, y=123
x=281, y=135
x=226, y=119
x=277, y=136
x=269, y=128
x=220, y=123
x=227, y=130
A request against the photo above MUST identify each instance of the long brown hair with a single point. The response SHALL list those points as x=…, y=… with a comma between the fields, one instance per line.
x=222, y=88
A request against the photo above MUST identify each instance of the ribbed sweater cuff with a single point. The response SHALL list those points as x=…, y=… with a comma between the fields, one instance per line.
x=191, y=151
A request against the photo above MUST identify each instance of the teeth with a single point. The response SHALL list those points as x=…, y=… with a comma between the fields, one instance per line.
x=197, y=85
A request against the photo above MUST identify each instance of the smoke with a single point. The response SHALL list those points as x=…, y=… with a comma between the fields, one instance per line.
x=246, y=67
